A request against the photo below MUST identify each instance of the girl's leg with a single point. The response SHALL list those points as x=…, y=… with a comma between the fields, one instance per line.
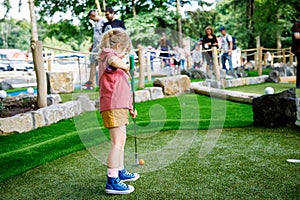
x=115, y=161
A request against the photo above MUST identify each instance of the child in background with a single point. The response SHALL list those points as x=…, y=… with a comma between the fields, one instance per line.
x=115, y=104
x=197, y=57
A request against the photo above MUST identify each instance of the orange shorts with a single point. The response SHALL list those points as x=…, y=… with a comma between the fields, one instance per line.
x=115, y=118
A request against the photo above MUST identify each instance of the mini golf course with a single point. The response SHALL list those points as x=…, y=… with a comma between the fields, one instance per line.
x=195, y=147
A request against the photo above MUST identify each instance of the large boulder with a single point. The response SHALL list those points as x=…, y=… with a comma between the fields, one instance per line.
x=60, y=82
x=173, y=85
x=275, y=110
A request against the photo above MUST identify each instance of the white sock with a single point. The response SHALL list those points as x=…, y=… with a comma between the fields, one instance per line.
x=112, y=173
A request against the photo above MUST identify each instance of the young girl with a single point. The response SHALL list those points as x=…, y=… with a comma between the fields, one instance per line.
x=115, y=102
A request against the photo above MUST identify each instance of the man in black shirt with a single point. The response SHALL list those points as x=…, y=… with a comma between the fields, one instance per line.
x=111, y=21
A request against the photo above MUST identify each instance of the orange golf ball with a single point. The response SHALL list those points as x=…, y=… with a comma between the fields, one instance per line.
x=141, y=162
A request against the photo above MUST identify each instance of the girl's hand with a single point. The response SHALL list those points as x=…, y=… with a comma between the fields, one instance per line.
x=133, y=113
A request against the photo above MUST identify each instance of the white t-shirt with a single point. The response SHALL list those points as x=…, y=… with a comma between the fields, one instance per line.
x=225, y=42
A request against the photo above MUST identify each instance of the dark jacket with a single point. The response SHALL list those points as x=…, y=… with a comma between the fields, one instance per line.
x=296, y=42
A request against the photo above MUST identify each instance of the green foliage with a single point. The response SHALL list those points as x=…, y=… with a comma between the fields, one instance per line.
x=15, y=34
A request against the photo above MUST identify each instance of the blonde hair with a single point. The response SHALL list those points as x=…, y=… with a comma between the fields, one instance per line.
x=115, y=36
x=211, y=29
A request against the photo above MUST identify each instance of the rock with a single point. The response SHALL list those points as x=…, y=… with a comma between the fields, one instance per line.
x=288, y=71
x=249, y=66
x=53, y=114
x=241, y=73
x=214, y=83
x=274, y=76
x=223, y=73
x=232, y=74
x=276, y=109
x=155, y=92
x=38, y=118
x=53, y=99
x=142, y=95
x=195, y=74
x=174, y=85
x=73, y=108
x=86, y=103
x=5, y=85
x=60, y=82
x=18, y=123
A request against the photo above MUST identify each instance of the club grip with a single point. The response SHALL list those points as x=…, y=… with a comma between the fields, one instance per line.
x=131, y=62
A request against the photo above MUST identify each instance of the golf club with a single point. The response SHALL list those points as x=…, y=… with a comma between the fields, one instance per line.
x=131, y=62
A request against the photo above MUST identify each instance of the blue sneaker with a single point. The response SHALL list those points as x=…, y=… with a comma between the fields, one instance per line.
x=124, y=175
x=115, y=186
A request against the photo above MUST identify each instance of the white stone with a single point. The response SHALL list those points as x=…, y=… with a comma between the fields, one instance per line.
x=53, y=99
x=142, y=95
x=155, y=92
x=86, y=103
x=19, y=123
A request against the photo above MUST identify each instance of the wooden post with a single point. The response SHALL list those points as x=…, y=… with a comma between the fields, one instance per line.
x=141, y=83
x=260, y=61
x=216, y=67
x=265, y=59
x=257, y=52
x=38, y=61
x=291, y=57
x=272, y=60
x=283, y=58
x=149, y=67
x=50, y=63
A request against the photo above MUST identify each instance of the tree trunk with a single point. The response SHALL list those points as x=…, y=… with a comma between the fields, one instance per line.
x=179, y=24
x=250, y=22
x=98, y=6
x=133, y=8
x=37, y=53
x=104, y=5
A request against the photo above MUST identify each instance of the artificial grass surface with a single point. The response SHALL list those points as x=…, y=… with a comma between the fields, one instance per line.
x=245, y=163
x=21, y=152
x=260, y=88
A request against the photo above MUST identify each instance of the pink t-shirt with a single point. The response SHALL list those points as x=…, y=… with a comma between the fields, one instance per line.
x=114, y=87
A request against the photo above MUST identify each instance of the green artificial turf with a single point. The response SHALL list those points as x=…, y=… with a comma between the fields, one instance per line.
x=21, y=152
x=254, y=73
x=260, y=88
x=243, y=163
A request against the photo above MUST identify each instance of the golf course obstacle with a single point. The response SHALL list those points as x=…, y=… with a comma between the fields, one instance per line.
x=274, y=110
x=45, y=116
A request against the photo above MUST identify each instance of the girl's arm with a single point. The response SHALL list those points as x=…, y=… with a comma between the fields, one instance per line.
x=118, y=63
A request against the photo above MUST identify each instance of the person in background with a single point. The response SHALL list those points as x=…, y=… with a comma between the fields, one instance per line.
x=98, y=25
x=197, y=57
x=165, y=45
x=296, y=47
x=209, y=41
x=112, y=22
x=152, y=55
x=227, y=46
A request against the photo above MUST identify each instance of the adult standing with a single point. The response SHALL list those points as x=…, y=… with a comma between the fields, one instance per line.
x=296, y=47
x=98, y=25
x=164, y=45
x=209, y=41
x=227, y=45
x=112, y=22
